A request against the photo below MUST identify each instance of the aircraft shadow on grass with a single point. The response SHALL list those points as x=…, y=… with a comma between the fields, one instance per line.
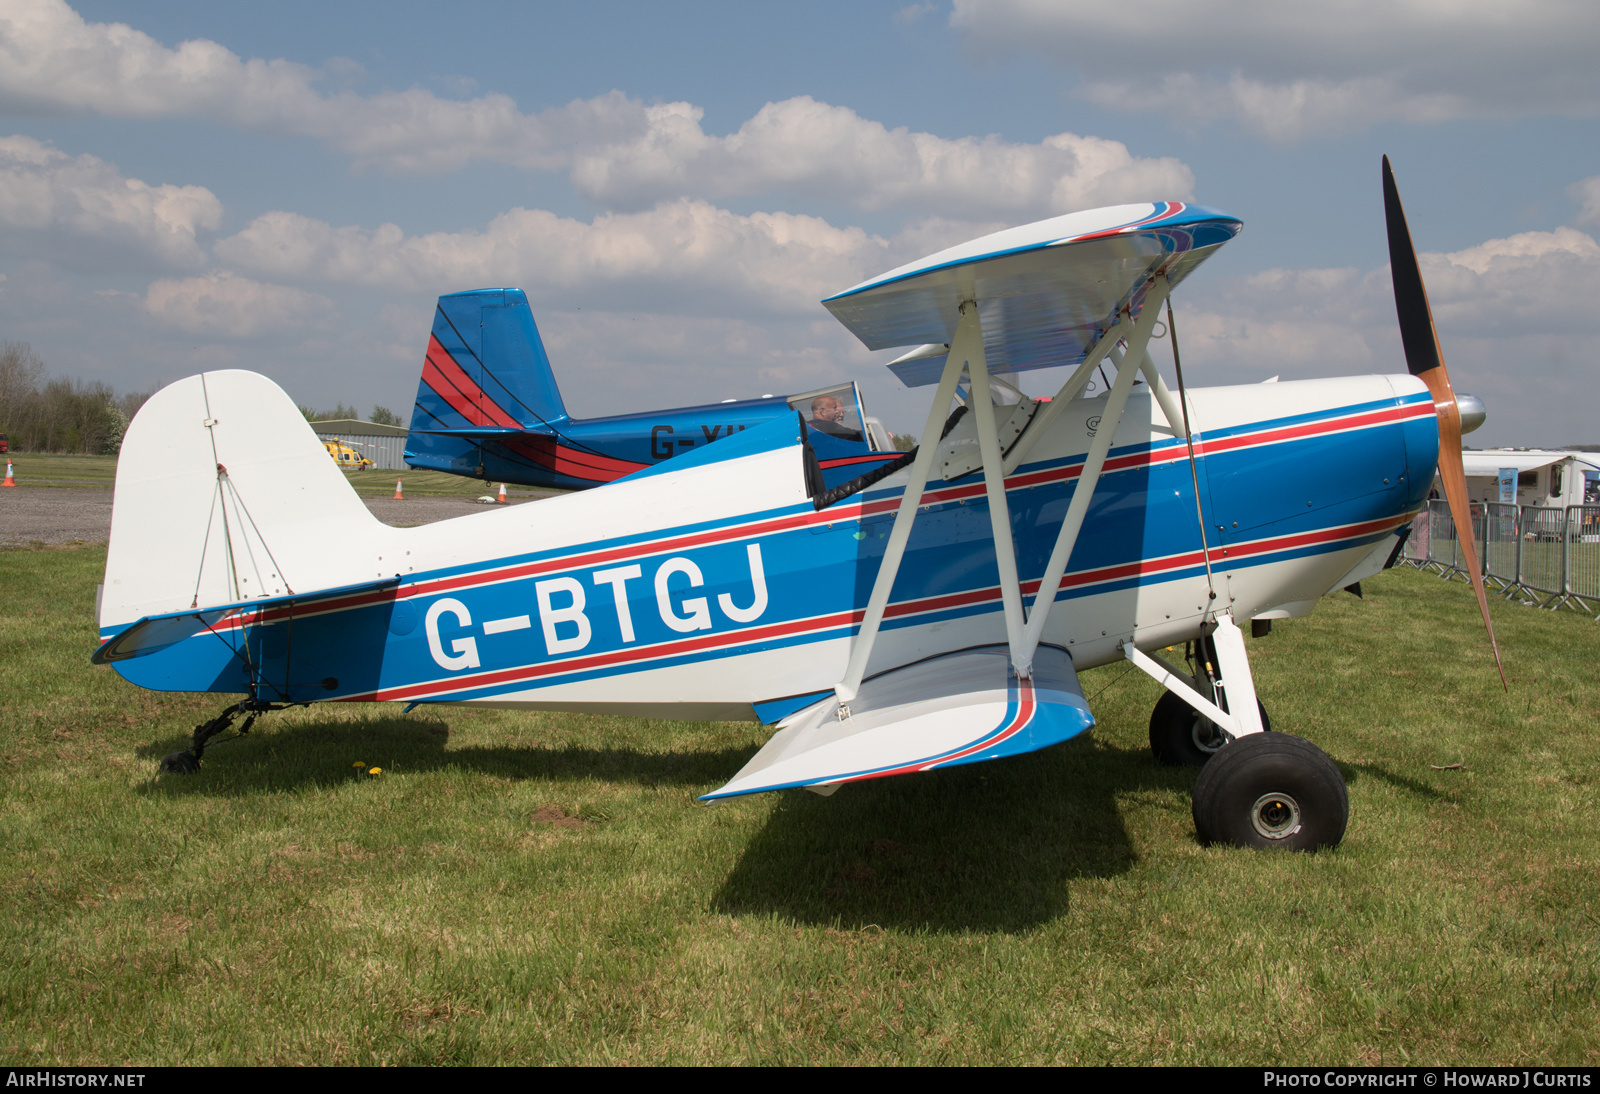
x=316, y=755
x=987, y=847
x=983, y=847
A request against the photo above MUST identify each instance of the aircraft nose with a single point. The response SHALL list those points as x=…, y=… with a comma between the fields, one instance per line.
x=1473, y=412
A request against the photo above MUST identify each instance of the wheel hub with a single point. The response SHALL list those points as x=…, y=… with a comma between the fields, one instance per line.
x=1275, y=816
x=1206, y=736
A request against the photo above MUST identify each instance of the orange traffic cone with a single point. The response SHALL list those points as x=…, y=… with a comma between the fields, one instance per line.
x=501, y=500
x=398, y=496
x=11, y=480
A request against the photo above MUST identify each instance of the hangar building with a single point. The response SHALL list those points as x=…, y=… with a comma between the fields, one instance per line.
x=384, y=445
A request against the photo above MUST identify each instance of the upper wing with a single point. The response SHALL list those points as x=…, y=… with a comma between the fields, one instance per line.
x=958, y=708
x=1045, y=291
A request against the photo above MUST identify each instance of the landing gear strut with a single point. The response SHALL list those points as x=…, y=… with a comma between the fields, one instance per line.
x=1181, y=736
x=187, y=761
x=1257, y=789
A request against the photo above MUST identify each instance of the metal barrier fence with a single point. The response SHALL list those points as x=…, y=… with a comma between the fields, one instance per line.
x=1583, y=553
x=1543, y=567
x=1499, y=544
x=1544, y=556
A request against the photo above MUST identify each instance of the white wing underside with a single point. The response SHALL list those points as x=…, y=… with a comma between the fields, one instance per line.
x=959, y=708
x=1045, y=291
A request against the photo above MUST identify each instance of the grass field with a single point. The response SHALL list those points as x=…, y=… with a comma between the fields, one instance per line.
x=43, y=469
x=37, y=469
x=531, y=888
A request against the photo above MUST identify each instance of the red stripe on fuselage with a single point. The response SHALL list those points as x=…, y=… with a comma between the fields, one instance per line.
x=641, y=655
x=600, y=660
x=845, y=461
x=577, y=463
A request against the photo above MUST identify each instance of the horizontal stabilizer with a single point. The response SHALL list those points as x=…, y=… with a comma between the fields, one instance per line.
x=956, y=709
x=490, y=431
x=154, y=633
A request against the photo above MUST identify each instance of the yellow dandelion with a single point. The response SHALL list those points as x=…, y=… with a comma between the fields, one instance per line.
x=359, y=763
x=374, y=771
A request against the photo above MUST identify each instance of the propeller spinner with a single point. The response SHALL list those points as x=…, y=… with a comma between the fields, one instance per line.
x=1426, y=362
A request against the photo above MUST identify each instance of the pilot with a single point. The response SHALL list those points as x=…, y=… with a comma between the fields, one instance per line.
x=828, y=416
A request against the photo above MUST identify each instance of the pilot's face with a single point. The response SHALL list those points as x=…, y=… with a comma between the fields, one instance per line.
x=829, y=410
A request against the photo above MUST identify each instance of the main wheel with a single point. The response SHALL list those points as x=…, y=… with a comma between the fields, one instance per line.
x=180, y=763
x=1271, y=790
x=1183, y=737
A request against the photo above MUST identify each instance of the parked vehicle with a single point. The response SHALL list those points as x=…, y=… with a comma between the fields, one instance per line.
x=346, y=457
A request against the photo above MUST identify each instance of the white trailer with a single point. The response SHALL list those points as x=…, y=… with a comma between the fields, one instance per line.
x=1552, y=479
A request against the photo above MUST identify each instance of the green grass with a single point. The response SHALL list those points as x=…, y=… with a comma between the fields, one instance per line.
x=530, y=888
x=44, y=469
x=37, y=469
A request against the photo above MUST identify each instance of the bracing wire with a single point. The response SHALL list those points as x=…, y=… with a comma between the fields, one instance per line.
x=205, y=546
x=1194, y=472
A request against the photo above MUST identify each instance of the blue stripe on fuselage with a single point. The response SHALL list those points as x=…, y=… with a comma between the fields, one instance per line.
x=817, y=570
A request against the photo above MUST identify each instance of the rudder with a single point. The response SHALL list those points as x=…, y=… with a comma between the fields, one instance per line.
x=485, y=366
x=224, y=493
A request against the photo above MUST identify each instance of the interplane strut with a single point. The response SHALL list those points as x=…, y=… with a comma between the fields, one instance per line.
x=1093, y=463
x=1024, y=630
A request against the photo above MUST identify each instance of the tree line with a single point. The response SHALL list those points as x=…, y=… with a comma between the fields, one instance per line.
x=59, y=415
x=40, y=414
x=381, y=415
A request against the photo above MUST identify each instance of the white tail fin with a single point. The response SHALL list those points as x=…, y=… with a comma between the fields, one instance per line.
x=223, y=494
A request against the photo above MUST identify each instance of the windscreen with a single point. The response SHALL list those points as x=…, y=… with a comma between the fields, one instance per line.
x=833, y=410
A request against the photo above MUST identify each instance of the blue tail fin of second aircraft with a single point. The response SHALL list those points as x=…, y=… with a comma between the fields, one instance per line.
x=485, y=367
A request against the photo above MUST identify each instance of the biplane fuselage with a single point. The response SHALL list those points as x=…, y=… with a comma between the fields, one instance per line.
x=711, y=586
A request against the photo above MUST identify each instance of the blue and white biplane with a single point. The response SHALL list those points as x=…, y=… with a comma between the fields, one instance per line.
x=929, y=612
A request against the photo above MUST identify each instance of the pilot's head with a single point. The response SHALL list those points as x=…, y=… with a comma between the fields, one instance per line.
x=825, y=408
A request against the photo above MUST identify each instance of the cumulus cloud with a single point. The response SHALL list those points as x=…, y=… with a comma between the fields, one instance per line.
x=1515, y=319
x=1289, y=70
x=607, y=362
x=45, y=191
x=1586, y=192
x=831, y=152
x=618, y=151
x=1522, y=286
x=53, y=61
x=224, y=304
x=685, y=256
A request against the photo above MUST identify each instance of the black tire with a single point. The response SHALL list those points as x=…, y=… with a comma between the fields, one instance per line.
x=1180, y=736
x=180, y=763
x=1271, y=790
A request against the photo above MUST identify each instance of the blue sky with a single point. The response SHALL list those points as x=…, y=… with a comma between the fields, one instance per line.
x=286, y=187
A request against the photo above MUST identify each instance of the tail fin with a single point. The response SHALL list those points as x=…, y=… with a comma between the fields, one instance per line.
x=485, y=366
x=225, y=494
